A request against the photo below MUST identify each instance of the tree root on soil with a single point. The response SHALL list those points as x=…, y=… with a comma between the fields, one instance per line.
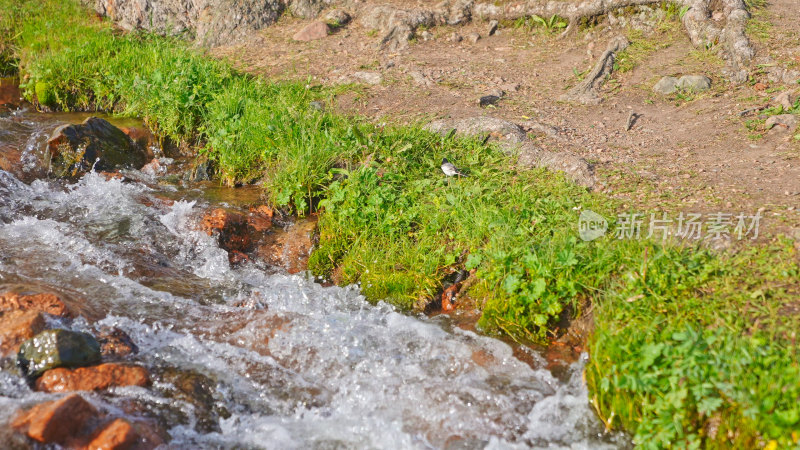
x=716, y=24
x=587, y=91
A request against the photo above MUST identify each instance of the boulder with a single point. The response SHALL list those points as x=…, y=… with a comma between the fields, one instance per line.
x=306, y=9
x=57, y=348
x=694, y=83
x=17, y=327
x=781, y=123
x=312, y=31
x=666, y=85
x=338, y=17
x=94, y=378
x=787, y=99
x=210, y=22
x=56, y=422
x=76, y=149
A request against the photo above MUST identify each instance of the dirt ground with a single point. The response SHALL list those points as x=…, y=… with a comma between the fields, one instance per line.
x=683, y=153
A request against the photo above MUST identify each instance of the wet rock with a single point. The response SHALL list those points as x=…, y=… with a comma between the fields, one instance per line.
x=497, y=129
x=202, y=169
x=666, y=85
x=492, y=27
x=115, y=343
x=56, y=422
x=210, y=22
x=117, y=435
x=290, y=248
x=230, y=227
x=17, y=327
x=372, y=78
x=781, y=123
x=260, y=218
x=95, y=143
x=94, y=378
x=45, y=302
x=198, y=390
x=473, y=37
x=57, y=348
x=337, y=18
x=154, y=168
x=449, y=298
x=312, y=31
x=694, y=83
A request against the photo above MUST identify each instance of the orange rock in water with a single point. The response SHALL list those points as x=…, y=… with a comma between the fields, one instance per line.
x=58, y=421
x=260, y=218
x=92, y=378
x=117, y=435
x=45, y=302
x=17, y=327
x=448, y=298
x=232, y=229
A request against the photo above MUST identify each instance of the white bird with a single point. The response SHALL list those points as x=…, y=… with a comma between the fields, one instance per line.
x=450, y=170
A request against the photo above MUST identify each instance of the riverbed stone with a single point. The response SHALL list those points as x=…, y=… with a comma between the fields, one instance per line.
x=312, y=32
x=93, y=378
x=57, y=348
x=17, y=327
x=94, y=144
x=115, y=343
x=56, y=422
x=45, y=302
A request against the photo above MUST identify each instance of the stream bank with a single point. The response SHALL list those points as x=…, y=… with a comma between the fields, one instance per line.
x=396, y=226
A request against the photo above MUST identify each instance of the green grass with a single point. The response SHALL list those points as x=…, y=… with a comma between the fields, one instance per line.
x=686, y=342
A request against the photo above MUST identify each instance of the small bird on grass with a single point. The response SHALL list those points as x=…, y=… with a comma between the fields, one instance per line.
x=450, y=170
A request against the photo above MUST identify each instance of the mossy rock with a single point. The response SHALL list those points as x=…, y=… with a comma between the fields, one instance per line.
x=44, y=93
x=57, y=348
x=95, y=143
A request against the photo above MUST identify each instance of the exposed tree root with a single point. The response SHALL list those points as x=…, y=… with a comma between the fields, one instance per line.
x=587, y=91
x=708, y=23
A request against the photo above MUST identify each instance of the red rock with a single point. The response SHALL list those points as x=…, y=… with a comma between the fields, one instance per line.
x=448, y=298
x=290, y=248
x=260, y=218
x=760, y=86
x=154, y=167
x=117, y=435
x=44, y=302
x=92, y=378
x=231, y=227
x=59, y=421
x=17, y=327
x=312, y=31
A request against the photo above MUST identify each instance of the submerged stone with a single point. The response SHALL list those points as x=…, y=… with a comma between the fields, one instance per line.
x=57, y=348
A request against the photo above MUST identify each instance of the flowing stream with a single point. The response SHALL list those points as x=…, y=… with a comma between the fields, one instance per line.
x=274, y=360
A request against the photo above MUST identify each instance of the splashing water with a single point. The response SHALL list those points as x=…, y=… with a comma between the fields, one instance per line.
x=282, y=362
